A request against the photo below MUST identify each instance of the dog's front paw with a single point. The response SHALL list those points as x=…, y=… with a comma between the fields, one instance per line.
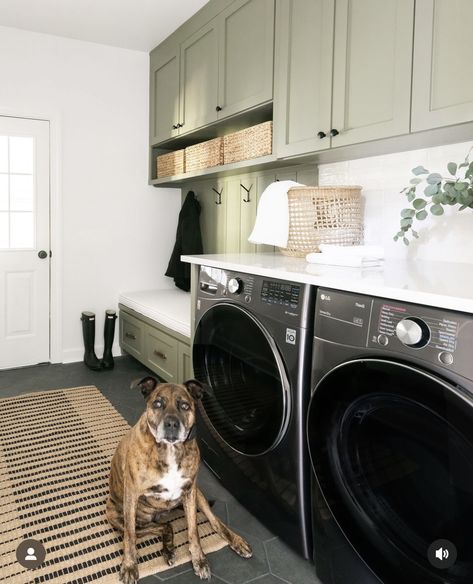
x=202, y=568
x=129, y=573
x=241, y=547
x=169, y=556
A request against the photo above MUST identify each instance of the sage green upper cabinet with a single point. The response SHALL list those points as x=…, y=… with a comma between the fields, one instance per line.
x=343, y=72
x=199, y=78
x=443, y=53
x=303, y=69
x=164, y=94
x=246, y=31
x=372, y=70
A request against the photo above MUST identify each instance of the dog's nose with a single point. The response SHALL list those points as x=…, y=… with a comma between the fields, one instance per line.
x=171, y=423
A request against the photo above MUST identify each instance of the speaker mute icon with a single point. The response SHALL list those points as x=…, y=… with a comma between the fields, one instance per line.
x=442, y=554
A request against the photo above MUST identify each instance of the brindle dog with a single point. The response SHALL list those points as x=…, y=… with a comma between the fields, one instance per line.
x=154, y=469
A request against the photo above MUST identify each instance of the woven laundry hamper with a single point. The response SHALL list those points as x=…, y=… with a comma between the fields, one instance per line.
x=330, y=214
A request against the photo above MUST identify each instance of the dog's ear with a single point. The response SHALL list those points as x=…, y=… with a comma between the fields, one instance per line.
x=146, y=385
x=195, y=388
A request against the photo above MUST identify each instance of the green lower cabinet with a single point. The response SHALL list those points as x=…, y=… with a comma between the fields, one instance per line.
x=162, y=354
x=186, y=371
x=162, y=350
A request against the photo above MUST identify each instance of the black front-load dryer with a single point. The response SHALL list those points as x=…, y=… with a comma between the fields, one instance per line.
x=252, y=347
x=390, y=435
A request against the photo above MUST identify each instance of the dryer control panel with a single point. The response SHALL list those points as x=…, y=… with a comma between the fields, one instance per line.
x=435, y=335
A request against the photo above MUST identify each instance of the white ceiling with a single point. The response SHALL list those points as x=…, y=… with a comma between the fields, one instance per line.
x=131, y=24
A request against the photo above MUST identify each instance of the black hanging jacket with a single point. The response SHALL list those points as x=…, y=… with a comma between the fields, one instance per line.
x=188, y=241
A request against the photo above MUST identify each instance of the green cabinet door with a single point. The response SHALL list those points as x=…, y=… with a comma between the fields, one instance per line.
x=303, y=75
x=164, y=94
x=246, y=31
x=198, y=78
x=442, y=92
x=372, y=69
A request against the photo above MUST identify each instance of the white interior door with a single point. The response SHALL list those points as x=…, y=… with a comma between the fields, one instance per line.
x=24, y=233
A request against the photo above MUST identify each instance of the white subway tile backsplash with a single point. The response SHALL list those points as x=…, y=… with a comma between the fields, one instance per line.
x=449, y=237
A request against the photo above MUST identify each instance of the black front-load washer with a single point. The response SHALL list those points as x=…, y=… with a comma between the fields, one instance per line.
x=390, y=435
x=252, y=347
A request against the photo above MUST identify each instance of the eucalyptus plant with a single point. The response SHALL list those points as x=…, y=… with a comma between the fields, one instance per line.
x=438, y=192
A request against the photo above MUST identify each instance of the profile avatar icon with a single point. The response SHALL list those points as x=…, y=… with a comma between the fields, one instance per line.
x=30, y=554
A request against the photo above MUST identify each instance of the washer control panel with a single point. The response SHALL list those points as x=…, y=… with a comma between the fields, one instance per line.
x=438, y=336
x=284, y=293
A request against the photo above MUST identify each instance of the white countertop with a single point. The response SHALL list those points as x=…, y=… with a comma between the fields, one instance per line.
x=172, y=307
x=440, y=284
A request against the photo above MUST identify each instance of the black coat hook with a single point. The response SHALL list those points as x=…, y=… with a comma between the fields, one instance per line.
x=219, y=195
x=247, y=200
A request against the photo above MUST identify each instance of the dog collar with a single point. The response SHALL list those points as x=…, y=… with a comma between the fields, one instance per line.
x=192, y=434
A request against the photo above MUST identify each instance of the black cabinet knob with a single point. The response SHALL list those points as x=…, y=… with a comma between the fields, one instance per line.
x=180, y=125
x=218, y=109
x=175, y=126
x=321, y=134
x=42, y=254
x=334, y=132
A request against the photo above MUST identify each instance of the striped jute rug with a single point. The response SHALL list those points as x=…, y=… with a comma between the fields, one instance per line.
x=55, y=453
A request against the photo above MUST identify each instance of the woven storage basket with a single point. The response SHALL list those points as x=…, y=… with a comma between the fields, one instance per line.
x=249, y=143
x=204, y=155
x=171, y=163
x=318, y=215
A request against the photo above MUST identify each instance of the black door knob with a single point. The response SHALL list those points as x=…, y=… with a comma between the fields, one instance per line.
x=334, y=132
x=42, y=254
x=218, y=109
x=321, y=135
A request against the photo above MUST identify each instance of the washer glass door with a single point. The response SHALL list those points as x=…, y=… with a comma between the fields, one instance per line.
x=392, y=451
x=247, y=404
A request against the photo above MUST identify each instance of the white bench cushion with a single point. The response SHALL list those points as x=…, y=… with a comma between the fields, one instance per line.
x=171, y=308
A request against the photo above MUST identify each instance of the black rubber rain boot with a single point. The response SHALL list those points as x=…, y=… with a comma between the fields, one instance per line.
x=88, y=331
x=108, y=334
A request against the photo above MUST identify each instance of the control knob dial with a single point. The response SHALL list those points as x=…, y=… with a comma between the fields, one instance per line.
x=413, y=332
x=235, y=285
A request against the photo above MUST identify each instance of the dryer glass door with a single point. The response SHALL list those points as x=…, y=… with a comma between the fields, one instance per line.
x=392, y=450
x=248, y=400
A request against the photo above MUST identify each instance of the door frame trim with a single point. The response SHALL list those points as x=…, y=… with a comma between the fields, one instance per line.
x=55, y=214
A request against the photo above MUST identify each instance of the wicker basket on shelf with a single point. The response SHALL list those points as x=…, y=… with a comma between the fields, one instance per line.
x=330, y=214
x=170, y=164
x=249, y=143
x=204, y=155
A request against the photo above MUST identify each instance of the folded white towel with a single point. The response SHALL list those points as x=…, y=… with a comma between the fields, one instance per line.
x=348, y=261
x=364, y=251
x=272, y=218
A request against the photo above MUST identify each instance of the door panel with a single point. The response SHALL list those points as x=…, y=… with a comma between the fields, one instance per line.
x=303, y=75
x=24, y=231
x=246, y=55
x=372, y=69
x=442, y=93
x=199, y=85
x=164, y=101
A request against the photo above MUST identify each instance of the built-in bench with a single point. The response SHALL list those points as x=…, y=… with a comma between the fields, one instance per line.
x=155, y=328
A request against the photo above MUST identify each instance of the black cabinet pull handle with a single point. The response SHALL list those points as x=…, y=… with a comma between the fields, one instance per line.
x=175, y=126
x=321, y=134
x=334, y=132
x=180, y=125
x=218, y=109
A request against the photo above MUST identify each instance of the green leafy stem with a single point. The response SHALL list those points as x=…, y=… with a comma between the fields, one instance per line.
x=440, y=191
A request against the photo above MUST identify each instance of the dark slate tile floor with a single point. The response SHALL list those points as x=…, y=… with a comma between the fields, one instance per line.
x=272, y=562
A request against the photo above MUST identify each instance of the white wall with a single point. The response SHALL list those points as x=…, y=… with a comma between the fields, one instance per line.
x=117, y=232
x=382, y=177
